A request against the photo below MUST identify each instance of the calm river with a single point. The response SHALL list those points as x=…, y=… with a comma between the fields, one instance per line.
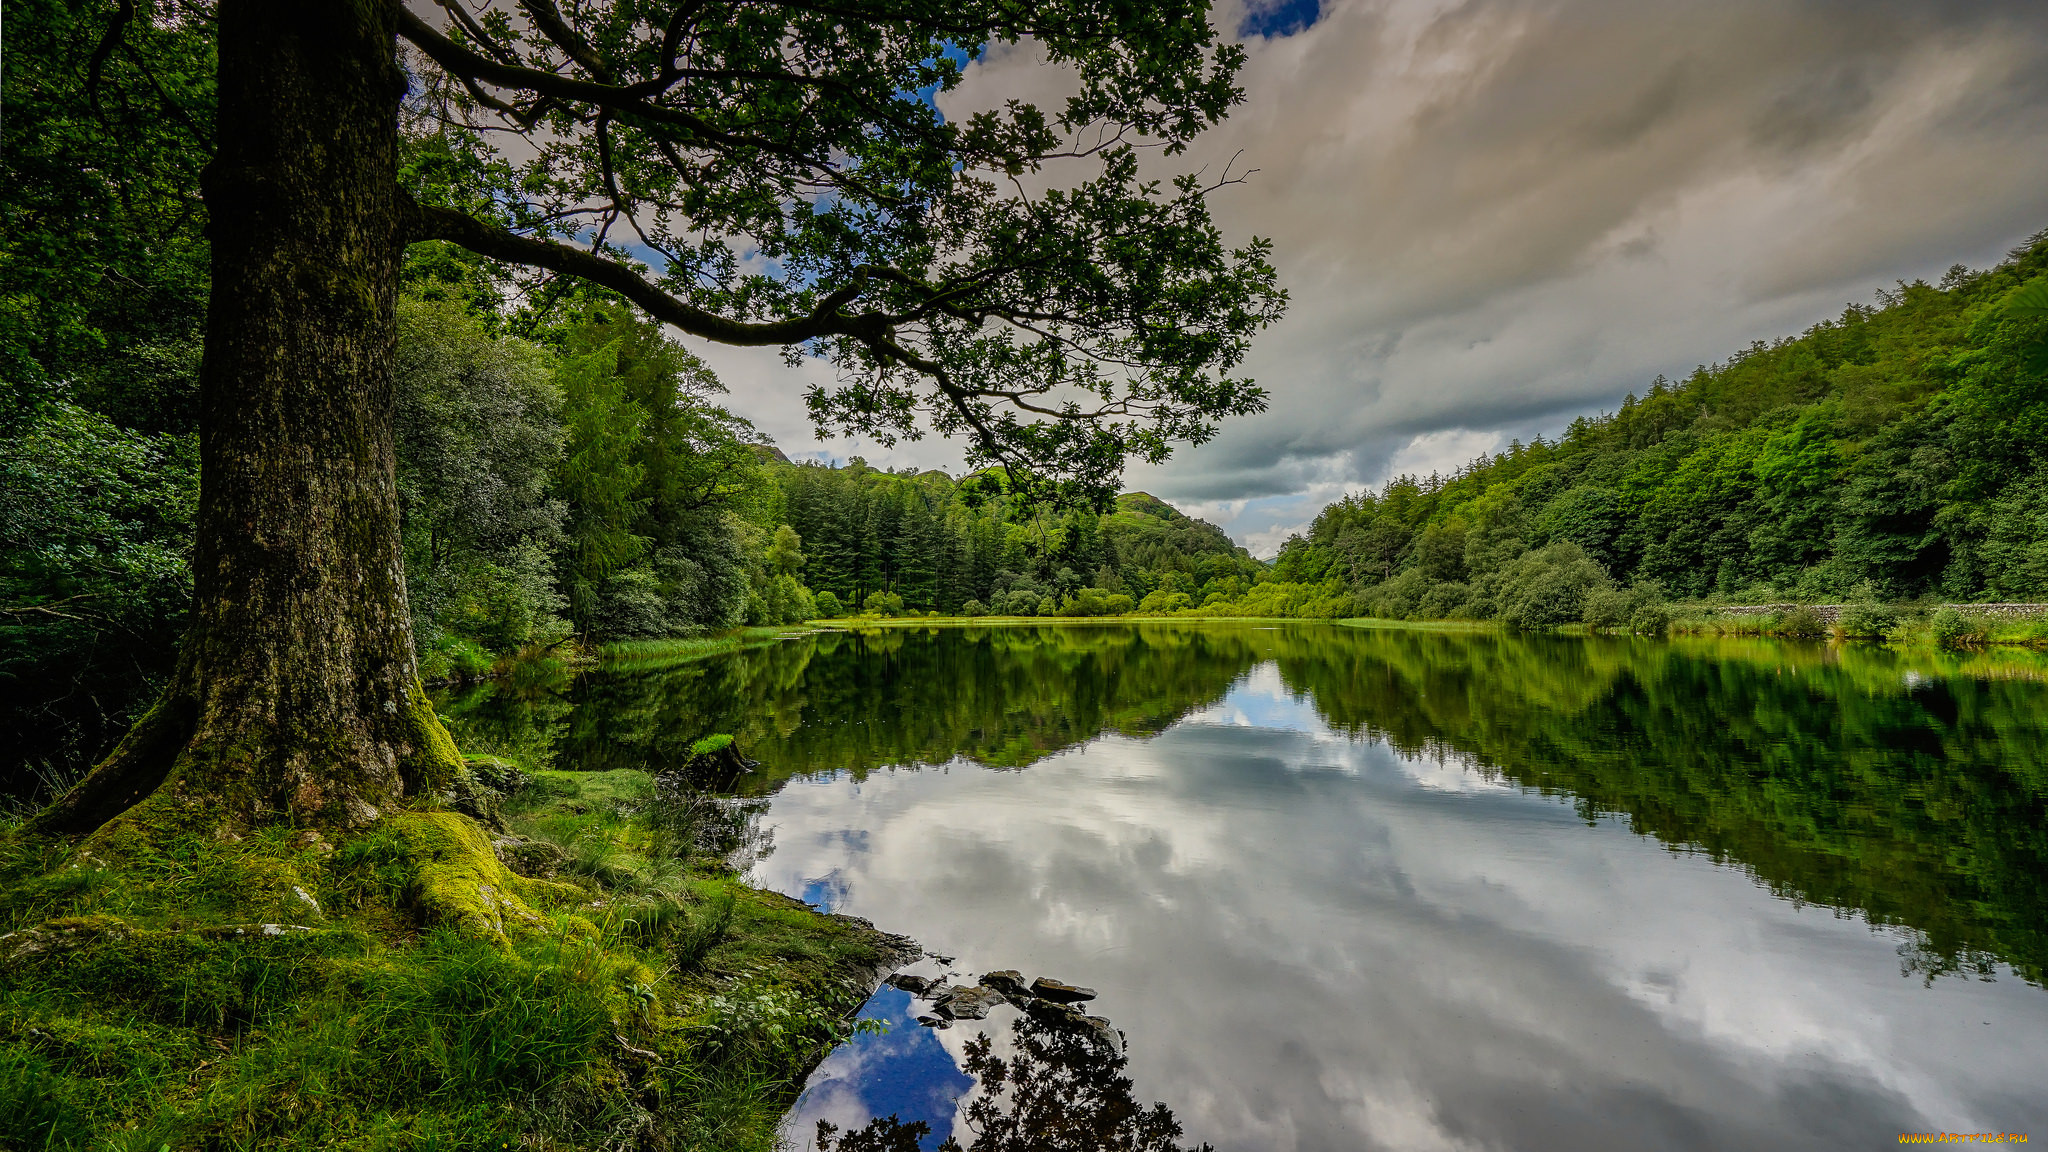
x=1347, y=888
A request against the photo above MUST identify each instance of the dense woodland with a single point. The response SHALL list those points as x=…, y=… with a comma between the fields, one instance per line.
x=565, y=470
x=1897, y=452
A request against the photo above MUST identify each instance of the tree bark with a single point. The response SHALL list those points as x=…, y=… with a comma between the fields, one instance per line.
x=296, y=694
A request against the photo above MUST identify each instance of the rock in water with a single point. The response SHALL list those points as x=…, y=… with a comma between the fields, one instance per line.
x=1047, y=988
x=1007, y=981
x=969, y=1003
x=915, y=985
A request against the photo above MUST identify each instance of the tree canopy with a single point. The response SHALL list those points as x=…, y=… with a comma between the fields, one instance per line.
x=781, y=174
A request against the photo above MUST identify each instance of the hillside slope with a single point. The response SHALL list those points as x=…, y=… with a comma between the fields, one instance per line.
x=1895, y=452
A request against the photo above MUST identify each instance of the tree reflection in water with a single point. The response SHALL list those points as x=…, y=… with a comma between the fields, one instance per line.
x=1061, y=1089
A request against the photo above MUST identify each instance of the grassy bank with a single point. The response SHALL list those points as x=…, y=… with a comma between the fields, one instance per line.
x=1952, y=626
x=1908, y=625
x=593, y=982
x=647, y=655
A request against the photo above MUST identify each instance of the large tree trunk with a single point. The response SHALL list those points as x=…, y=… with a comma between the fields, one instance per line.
x=296, y=694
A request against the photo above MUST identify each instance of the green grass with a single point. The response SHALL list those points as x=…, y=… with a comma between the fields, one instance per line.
x=648, y=655
x=1421, y=625
x=144, y=1006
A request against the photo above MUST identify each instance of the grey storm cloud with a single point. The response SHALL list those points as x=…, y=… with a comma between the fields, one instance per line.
x=1497, y=214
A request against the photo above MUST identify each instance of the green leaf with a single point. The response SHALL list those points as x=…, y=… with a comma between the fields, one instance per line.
x=2030, y=301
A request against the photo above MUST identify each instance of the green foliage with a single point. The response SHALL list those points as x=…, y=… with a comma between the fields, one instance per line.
x=828, y=605
x=654, y=477
x=882, y=604
x=192, y=994
x=1908, y=783
x=1951, y=628
x=479, y=436
x=2029, y=302
x=95, y=575
x=814, y=185
x=1095, y=602
x=1897, y=449
x=940, y=543
x=103, y=258
x=1867, y=619
x=716, y=742
x=1547, y=587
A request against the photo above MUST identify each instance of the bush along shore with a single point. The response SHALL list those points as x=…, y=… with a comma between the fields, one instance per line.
x=536, y=959
x=1641, y=611
x=1911, y=624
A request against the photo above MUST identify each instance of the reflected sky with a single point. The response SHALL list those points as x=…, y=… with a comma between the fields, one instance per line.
x=1315, y=942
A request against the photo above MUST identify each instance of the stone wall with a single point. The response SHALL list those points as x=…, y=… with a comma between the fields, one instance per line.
x=1829, y=613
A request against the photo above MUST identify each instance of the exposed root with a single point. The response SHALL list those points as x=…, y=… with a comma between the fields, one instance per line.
x=462, y=884
x=136, y=768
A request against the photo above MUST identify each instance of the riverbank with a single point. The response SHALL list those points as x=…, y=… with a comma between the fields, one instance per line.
x=551, y=959
x=1950, y=626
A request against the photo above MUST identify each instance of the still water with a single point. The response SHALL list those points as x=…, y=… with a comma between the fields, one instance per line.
x=1348, y=888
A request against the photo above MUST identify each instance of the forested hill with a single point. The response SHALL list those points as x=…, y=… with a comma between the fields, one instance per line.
x=920, y=541
x=1898, y=451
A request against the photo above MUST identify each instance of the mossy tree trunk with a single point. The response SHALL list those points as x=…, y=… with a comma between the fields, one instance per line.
x=296, y=694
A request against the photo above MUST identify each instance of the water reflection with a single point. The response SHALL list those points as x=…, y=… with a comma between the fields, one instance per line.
x=1059, y=1086
x=1405, y=890
x=1907, y=788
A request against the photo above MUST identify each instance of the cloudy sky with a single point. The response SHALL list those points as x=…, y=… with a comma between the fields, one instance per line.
x=1495, y=215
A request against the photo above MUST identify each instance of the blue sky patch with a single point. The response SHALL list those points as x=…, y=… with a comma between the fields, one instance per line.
x=1271, y=18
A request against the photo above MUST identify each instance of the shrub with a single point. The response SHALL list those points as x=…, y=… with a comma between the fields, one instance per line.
x=779, y=599
x=1161, y=601
x=1548, y=586
x=1866, y=618
x=883, y=603
x=702, y=932
x=1801, y=622
x=974, y=608
x=1609, y=607
x=1096, y=602
x=1443, y=601
x=828, y=605
x=1649, y=619
x=1952, y=629
x=1017, y=602
x=454, y=658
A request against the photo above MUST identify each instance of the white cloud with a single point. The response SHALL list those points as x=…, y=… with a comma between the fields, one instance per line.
x=1493, y=215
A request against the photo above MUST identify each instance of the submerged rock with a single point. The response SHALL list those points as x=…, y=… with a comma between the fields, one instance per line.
x=1007, y=981
x=915, y=985
x=1047, y=988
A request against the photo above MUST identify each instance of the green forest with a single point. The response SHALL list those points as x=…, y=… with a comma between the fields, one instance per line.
x=566, y=473
x=1897, y=452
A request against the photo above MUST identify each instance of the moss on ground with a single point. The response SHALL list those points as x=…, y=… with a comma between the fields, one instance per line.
x=400, y=988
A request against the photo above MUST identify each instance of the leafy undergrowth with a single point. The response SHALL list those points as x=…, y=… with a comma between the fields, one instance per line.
x=279, y=991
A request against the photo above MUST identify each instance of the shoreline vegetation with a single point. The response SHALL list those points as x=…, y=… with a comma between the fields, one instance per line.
x=560, y=956
x=562, y=953
x=1909, y=624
